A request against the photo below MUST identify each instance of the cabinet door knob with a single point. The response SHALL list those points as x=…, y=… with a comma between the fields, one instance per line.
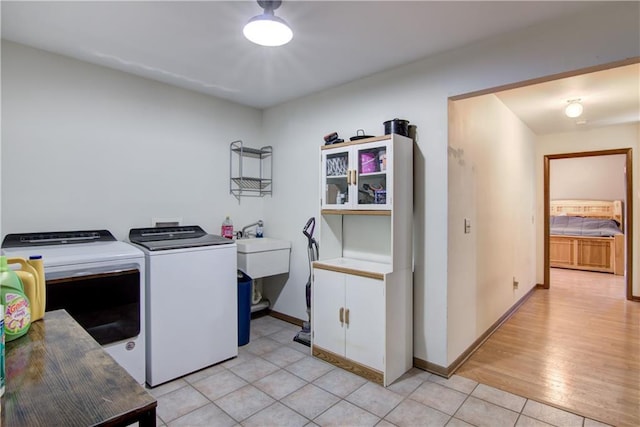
x=346, y=316
x=341, y=314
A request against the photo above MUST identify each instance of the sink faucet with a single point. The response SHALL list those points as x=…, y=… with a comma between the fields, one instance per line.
x=245, y=233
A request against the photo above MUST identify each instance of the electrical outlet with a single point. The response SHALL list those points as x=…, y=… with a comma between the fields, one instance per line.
x=467, y=226
x=515, y=283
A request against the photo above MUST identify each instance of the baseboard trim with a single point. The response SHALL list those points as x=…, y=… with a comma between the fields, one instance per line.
x=349, y=365
x=430, y=367
x=286, y=318
x=453, y=367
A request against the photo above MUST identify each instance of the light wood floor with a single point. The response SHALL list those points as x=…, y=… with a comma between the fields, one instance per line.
x=575, y=346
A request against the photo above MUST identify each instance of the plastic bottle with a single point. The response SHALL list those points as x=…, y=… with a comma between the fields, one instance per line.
x=31, y=274
x=227, y=228
x=37, y=263
x=260, y=229
x=17, y=311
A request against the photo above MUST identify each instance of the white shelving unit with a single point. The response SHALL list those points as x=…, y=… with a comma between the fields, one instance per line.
x=362, y=304
x=250, y=171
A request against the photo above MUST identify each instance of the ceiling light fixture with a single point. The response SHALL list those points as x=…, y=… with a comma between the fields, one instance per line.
x=267, y=29
x=574, y=109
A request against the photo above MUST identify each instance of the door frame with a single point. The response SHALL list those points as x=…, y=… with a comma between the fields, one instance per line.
x=628, y=210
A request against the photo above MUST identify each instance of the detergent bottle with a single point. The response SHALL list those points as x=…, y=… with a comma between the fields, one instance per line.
x=37, y=263
x=31, y=274
x=1, y=350
x=17, y=311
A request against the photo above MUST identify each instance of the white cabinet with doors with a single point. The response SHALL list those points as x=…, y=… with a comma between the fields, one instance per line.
x=355, y=175
x=350, y=319
x=362, y=291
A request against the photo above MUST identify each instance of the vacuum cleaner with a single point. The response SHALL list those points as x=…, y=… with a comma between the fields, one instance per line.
x=304, y=336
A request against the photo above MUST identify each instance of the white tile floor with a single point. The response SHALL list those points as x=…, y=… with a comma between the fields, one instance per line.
x=275, y=382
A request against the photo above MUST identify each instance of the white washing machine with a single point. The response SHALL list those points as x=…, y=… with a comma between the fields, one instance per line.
x=191, y=288
x=99, y=281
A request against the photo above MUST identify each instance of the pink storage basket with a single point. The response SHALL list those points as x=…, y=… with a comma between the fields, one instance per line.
x=368, y=163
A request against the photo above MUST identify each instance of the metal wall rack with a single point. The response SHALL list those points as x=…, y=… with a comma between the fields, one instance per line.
x=250, y=173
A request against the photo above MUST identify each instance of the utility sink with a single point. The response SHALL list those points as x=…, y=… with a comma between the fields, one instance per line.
x=263, y=256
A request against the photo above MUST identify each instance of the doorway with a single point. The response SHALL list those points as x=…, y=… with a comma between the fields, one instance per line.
x=627, y=211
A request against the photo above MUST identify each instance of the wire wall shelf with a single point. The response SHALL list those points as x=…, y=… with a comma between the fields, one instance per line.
x=250, y=170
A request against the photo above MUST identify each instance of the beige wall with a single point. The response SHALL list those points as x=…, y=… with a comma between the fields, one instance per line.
x=588, y=178
x=491, y=182
x=88, y=147
x=128, y=119
x=604, y=138
x=419, y=92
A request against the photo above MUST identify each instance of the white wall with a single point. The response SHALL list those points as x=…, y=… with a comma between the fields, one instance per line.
x=604, y=138
x=88, y=147
x=588, y=178
x=127, y=131
x=419, y=92
x=491, y=182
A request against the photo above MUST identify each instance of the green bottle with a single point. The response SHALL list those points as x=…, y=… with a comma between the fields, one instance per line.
x=17, y=311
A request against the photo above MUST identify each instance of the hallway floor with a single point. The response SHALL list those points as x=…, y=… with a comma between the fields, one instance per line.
x=575, y=346
x=275, y=382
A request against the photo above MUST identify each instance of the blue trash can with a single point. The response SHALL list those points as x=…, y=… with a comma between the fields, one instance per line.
x=244, y=308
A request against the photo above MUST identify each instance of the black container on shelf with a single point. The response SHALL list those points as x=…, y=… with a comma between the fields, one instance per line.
x=397, y=126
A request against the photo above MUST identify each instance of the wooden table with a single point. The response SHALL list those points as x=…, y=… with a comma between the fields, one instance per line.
x=58, y=374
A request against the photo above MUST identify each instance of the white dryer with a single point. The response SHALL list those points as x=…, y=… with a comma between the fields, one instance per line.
x=99, y=281
x=191, y=288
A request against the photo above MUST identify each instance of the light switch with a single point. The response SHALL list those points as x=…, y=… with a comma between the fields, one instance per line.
x=467, y=226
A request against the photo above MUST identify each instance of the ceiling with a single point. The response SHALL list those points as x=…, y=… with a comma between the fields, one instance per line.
x=609, y=97
x=199, y=45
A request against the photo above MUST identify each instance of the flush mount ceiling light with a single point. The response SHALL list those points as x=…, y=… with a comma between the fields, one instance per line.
x=267, y=29
x=574, y=109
